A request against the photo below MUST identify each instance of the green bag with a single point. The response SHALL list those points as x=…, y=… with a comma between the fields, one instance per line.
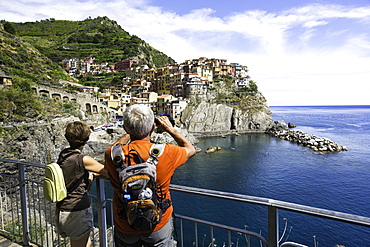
x=54, y=186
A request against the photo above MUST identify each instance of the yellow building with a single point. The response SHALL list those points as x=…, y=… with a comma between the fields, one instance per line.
x=162, y=102
x=6, y=81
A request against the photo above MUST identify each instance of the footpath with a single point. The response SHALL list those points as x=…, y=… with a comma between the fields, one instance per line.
x=4, y=242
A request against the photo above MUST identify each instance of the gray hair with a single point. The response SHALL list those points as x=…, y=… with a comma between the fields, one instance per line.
x=138, y=121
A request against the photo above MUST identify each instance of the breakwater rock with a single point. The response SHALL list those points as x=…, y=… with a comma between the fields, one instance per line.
x=212, y=149
x=317, y=144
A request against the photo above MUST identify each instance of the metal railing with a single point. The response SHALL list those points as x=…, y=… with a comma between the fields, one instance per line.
x=273, y=207
x=26, y=217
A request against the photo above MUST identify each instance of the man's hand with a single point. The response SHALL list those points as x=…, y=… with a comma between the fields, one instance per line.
x=164, y=123
x=91, y=176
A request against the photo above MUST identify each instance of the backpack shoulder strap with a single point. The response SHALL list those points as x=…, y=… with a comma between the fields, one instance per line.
x=118, y=156
x=156, y=150
x=72, y=185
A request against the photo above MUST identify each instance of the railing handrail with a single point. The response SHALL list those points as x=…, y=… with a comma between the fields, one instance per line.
x=298, y=208
x=22, y=162
x=221, y=226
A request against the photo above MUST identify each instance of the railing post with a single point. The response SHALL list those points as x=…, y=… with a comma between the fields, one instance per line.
x=102, y=212
x=212, y=238
x=273, y=226
x=22, y=187
x=196, y=234
x=181, y=234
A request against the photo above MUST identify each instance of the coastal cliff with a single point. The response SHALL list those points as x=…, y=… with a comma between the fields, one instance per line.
x=217, y=119
x=41, y=143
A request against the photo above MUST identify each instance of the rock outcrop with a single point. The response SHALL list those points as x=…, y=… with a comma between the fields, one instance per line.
x=291, y=125
x=41, y=143
x=317, y=144
x=218, y=119
x=212, y=149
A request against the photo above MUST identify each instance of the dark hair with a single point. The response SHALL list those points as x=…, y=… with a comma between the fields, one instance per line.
x=77, y=134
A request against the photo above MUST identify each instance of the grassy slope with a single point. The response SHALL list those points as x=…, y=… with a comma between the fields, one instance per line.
x=100, y=38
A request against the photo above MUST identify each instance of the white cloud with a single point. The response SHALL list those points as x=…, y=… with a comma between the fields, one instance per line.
x=359, y=45
x=315, y=23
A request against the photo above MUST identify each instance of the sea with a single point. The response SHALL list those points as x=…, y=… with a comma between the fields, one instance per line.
x=265, y=166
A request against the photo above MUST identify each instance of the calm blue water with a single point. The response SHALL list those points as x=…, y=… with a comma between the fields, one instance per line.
x=260, y=165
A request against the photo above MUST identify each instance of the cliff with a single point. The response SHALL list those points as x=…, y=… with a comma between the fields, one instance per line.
x=41, y=143
x=217, y=119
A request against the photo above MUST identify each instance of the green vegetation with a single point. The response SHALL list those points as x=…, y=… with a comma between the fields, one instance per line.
x=102, y=81
x=18, y=102
x=27, y=66
x=9, y=28
x=237, y=97
x=229, y=81
x=253, y=86
x=68, y=107
x=23, y=62
x=5, y=131
x=37, y=231
x=100, y=38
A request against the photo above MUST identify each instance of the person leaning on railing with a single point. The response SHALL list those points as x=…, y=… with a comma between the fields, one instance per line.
x=139, y=124
x=73, y=216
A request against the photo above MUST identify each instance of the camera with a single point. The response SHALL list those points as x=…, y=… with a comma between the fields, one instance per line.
x=156, y=121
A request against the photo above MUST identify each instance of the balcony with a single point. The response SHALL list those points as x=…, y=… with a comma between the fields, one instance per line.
x=27, y=218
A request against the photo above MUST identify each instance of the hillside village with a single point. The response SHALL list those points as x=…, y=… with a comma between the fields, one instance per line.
x=140, y=78
x=167, y=89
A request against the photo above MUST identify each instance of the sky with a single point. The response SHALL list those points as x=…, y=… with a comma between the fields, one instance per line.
x=298, y=52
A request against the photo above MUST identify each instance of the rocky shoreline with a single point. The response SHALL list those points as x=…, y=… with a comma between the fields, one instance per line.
x=222, y=133
x=317, y=144
x=41, y=143
x=281, y=130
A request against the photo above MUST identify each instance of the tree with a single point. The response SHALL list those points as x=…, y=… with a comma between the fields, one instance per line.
x=24, y=85
x=253, y=86
x=98, y=38
x=14, y=101
x=9, y=28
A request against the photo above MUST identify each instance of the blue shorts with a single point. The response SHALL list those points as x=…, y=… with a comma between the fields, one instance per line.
x=74, y=224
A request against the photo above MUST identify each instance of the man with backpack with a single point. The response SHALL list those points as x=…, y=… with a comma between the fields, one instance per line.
x=142, y=209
